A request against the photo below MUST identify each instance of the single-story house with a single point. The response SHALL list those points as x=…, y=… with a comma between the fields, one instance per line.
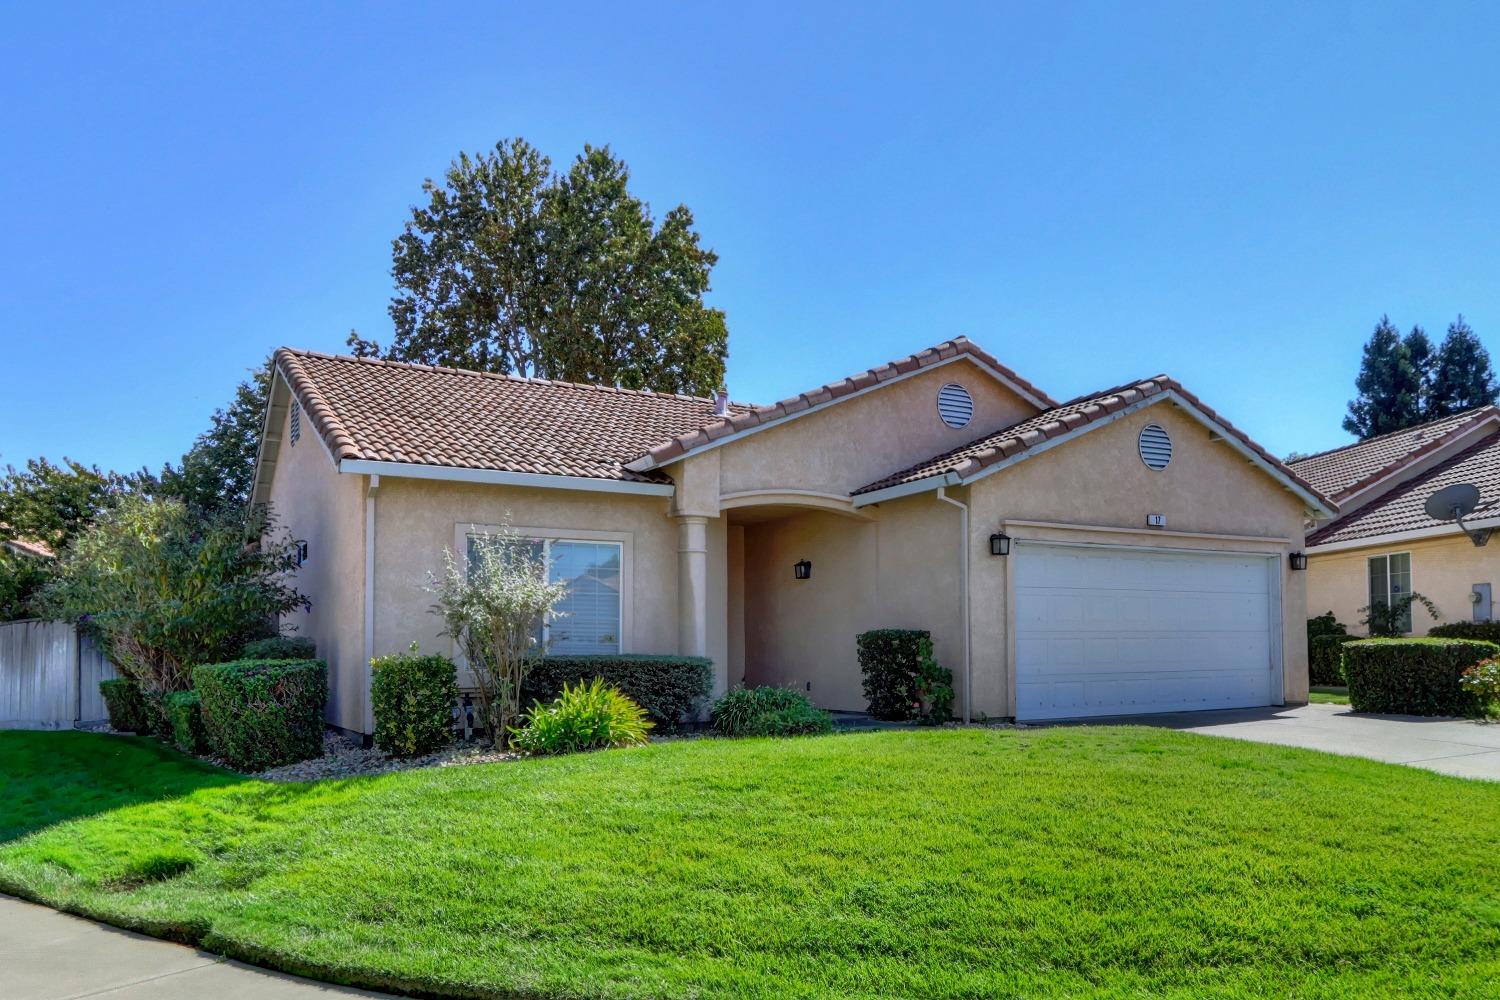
x=1123, y=552
x=1384, y=545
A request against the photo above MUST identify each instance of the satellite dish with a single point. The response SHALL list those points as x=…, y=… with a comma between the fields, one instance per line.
x=1453, y=502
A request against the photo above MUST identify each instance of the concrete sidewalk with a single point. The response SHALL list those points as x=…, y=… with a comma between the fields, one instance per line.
x=1462, y=747
x=46, y=955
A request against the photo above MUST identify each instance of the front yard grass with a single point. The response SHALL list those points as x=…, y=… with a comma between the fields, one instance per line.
x=1079, y=861
x=1328, y=696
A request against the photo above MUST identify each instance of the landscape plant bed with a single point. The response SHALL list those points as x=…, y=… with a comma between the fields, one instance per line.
x=1078, y=861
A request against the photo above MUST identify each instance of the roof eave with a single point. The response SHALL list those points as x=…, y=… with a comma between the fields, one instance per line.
x=500, y=477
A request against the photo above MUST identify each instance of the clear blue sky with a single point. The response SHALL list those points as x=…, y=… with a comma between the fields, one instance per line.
x=1094, y=193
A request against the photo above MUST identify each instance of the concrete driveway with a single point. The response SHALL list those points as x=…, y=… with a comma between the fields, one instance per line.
x=46, y=955
x=1460, y=747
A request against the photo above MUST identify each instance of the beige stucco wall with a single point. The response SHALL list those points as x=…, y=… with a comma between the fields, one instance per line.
x=898, y=570
x=1099, y=480
x=1442, y=569
x=326, y=510
x=416, y=521
x=859, y=440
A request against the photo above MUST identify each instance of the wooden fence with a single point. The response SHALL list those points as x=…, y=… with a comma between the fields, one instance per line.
x=49, y=676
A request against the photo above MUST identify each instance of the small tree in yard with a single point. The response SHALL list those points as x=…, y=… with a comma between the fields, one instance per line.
x=166, y=590
x=494, y=607
x=1393, y=619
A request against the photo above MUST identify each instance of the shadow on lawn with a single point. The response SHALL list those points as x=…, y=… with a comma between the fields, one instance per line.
x=50, y=777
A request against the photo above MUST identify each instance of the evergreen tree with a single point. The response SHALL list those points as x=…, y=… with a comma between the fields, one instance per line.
x=1423, y=354
x=1462, y=377
x=1388, y=386
x=217, y=473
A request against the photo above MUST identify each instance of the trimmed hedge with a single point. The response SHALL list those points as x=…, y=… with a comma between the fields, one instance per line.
x=901, y=680
x=263, y=713
x=414, y=698
x=184, y=712
x=126, y=706
x=1483, y=631
x=1413, y=676
x=280, y=647
x=1325, y=639
x=768, y=711
x=669, y=688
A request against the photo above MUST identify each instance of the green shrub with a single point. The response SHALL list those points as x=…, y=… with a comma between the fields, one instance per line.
x=669, y=688
x=184, y=712
x=126, y=706
x=280, y=647
x=413, y=698
x=1413, y=676
x=588, y=716
x=263, y=713
x=1482, y=680
x=1483, y=631
x=768, y=711
x=901, y=679
x=1325, y=639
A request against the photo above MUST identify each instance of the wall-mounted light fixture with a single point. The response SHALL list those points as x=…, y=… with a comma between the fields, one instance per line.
x=802, y=569
x=1298, y=560
x=999, y=544
x=300, y=555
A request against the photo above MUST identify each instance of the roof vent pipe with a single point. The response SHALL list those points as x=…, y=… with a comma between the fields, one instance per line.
x=721, y=402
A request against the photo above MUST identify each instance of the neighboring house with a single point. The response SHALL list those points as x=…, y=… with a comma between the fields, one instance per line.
x=1383, y=546
x=27, y=547
x=688, y=517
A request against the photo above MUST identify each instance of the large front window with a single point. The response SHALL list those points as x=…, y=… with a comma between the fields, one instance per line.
x=589, y=617
x=1390, y=584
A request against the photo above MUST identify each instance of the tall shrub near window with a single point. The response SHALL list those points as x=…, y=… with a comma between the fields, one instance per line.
x=492, y=606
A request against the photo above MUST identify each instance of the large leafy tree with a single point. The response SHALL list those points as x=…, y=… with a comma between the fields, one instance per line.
x=218, y=471
x=1389, y=387
x=512, y=268
x=1462, y=377
x=52, y=503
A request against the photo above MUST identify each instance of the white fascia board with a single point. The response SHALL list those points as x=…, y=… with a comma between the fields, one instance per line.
x=646, y=463
x=276, y=402
x=496, y=477
x=906, y=489
x=1400, y=537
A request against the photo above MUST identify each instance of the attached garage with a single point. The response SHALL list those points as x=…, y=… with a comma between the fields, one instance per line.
x=1104, y=630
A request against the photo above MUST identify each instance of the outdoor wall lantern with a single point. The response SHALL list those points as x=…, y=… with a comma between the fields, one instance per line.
x=999, y=544
x=802, y=569
x=1298, y=560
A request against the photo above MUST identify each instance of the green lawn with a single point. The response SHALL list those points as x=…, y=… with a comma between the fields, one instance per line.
x=1070, y=862
x=1329, y=696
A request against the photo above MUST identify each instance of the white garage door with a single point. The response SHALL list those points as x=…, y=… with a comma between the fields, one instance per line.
x=1116, y=631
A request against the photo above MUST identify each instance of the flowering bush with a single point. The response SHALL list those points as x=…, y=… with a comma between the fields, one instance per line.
x=1482, y=680
x=492, y=607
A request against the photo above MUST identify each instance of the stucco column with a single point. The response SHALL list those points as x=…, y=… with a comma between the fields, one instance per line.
x=692, y=585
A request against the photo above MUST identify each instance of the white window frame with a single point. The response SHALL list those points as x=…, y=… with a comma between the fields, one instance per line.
x=1410, y=574
x=624, y=539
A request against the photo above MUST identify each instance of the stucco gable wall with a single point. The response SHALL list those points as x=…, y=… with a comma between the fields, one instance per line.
x=1098, y=479
x=851, y=443
x=1444, y=570
x=325, y=509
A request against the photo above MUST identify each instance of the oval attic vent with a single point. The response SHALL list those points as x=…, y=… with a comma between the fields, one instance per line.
x=1155, y=446
x=955, y=405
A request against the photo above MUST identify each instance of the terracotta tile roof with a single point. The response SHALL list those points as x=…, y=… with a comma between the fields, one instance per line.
x=1401, y=509
x=681, y=444
x=391, y=412
x=970, y=459
x=28, y=546
x=1345, y=471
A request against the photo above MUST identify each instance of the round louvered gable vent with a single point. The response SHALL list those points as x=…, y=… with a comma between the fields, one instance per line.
x=1155, y=446
x=955, y=405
